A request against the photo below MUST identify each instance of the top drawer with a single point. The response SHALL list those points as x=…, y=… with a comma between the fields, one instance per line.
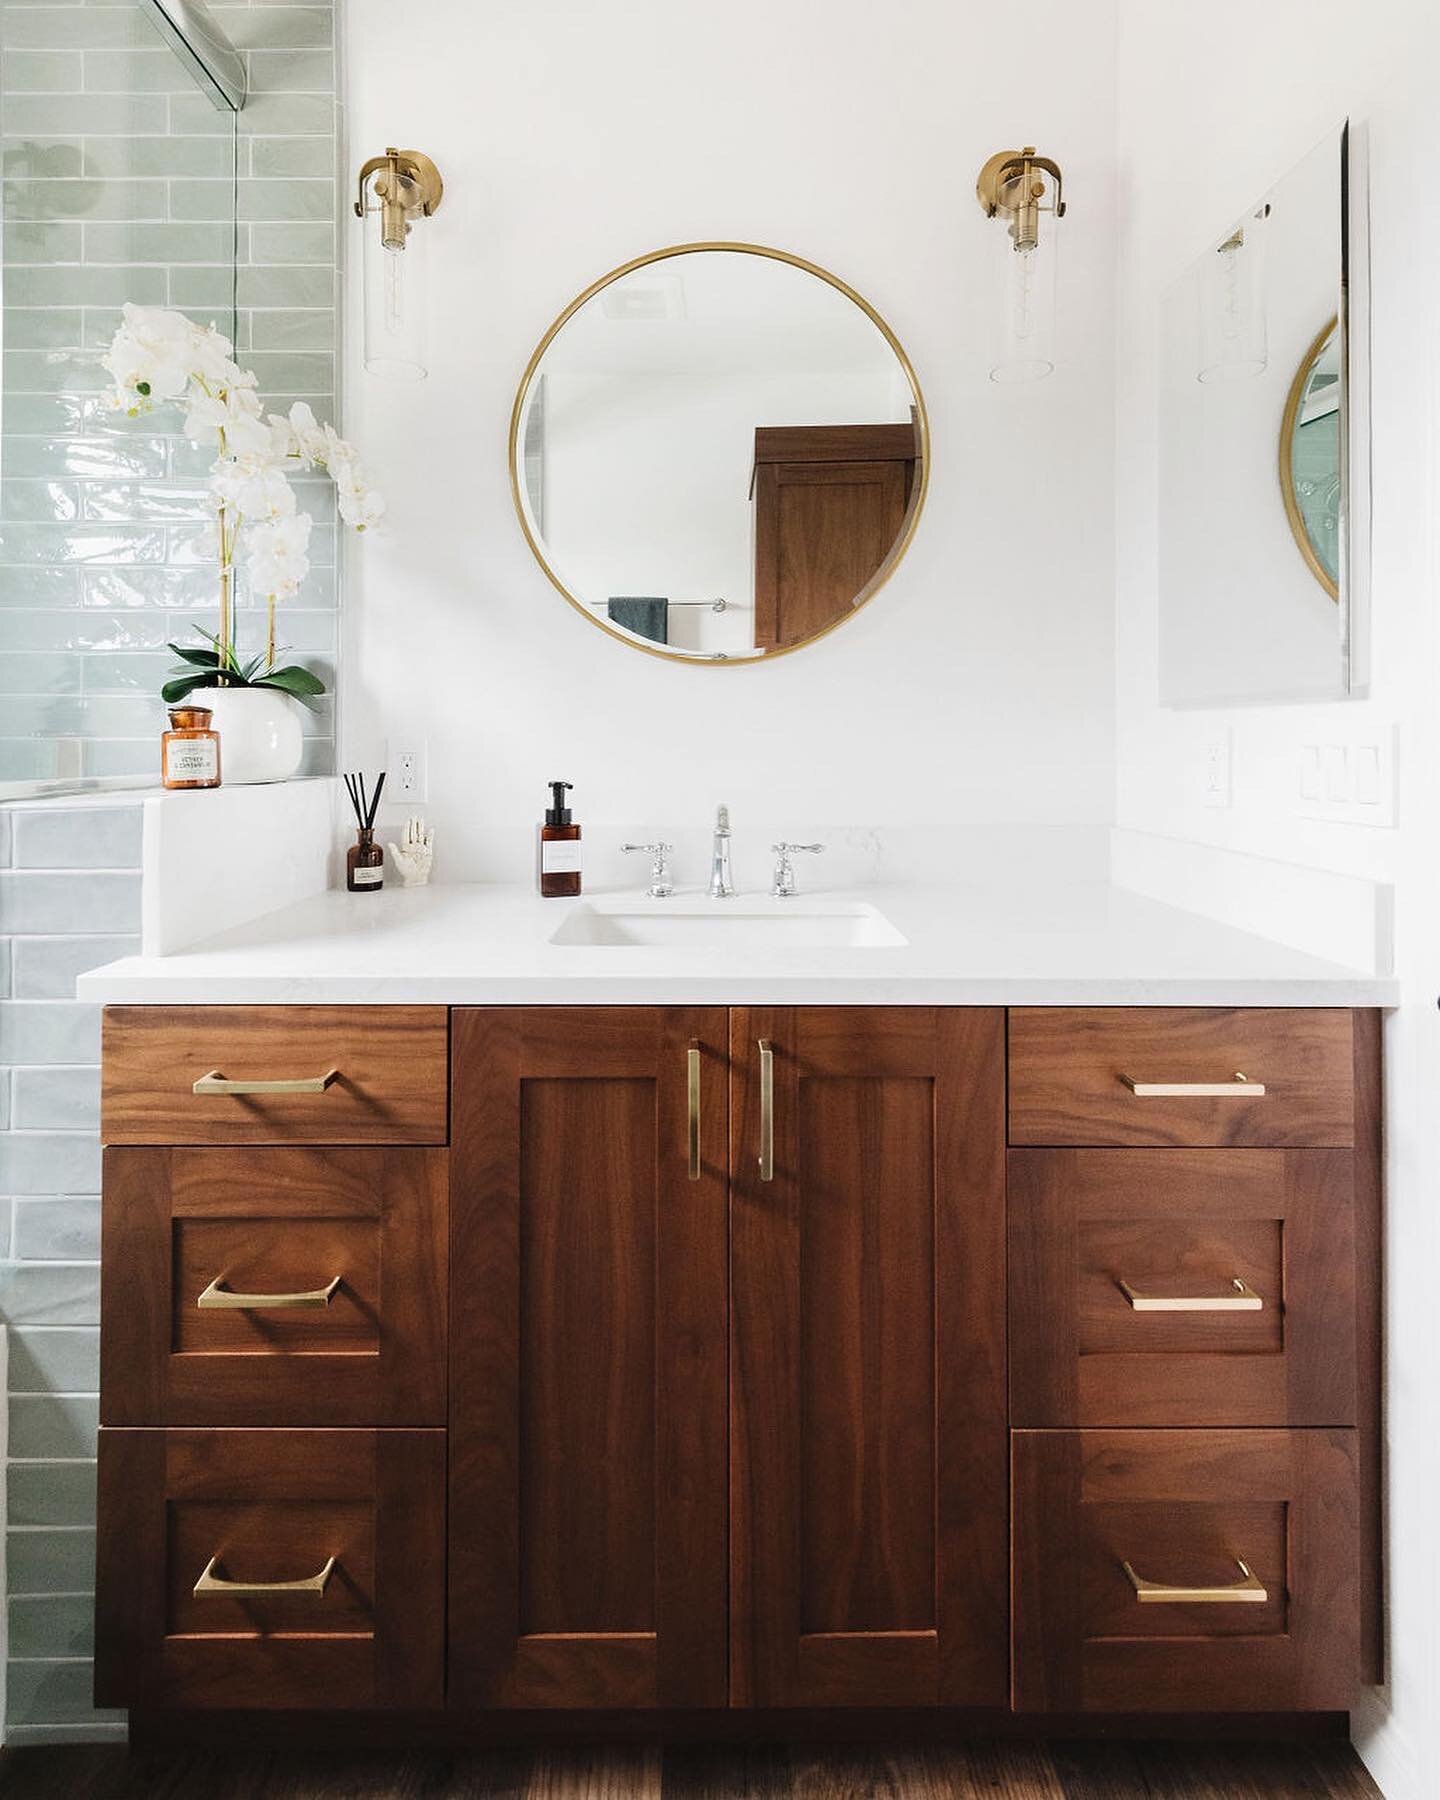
x=1170, y=1076
x=275, y=1075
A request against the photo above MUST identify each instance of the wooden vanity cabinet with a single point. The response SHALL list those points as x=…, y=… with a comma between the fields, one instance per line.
x=768, y=1357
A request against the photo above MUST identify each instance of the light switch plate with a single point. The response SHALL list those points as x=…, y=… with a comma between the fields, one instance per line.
x=1345, y=775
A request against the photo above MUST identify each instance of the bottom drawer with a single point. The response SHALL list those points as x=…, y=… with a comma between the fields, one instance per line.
x=1129, y=1593
x=271, y=1569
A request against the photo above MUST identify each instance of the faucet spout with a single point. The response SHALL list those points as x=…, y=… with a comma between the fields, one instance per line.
x=722, y=879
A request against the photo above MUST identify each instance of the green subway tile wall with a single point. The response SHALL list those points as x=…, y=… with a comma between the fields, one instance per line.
x=122, y=182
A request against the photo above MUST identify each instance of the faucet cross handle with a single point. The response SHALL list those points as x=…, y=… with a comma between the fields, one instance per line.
x=661, y=886
x=782, y=886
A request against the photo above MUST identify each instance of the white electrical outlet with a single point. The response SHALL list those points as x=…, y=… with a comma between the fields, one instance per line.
x=407, y=776
x=1215, y=770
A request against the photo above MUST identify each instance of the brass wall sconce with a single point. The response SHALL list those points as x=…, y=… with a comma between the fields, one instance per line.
x=397, y=189
x=1018, y=186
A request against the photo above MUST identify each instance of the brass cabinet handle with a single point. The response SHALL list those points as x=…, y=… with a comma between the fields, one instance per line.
x=1241, y=1298
x=692, y=1082
x=217, y=1297
x=211, y=1583
x=1248, y=1590
x=1238, y=1087
x=216, y=1083
x=767, y=1111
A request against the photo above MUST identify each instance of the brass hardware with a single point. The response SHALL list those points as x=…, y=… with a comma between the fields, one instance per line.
x=1249, y=1590
x=216, y=1083
x=1239, y=1087
x=407, y=186
x=212, y=1584
x=692, y=1081
x=221, y=1298
x=1242, y=1298
x=1293, y=402
x=767, y=1111
x=1012, y=183
x=922, y=432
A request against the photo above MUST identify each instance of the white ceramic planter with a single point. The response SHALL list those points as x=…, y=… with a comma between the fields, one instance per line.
x=260, y=735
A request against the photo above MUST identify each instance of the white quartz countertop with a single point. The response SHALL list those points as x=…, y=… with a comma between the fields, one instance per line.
x=1039, y=943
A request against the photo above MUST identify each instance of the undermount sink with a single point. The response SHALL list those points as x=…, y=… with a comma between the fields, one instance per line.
x=737, y=924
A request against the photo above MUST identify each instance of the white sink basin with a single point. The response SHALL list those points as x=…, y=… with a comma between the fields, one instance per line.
x=738, y=924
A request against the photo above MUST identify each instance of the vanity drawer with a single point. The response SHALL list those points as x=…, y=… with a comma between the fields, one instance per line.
x=275, y=1074
x=1169, y=1076
x=1183, y=1509
x=271, y=1509
x=336, y=1257
x=1182, y=1287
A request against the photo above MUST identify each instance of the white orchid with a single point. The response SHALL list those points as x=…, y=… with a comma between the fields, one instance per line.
x=159, y=355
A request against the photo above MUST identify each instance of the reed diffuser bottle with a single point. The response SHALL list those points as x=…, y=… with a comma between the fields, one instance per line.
x=365, y=859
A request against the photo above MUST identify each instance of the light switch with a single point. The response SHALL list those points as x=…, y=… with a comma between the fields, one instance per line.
x=1312, y=777
x=1337, y=774
x=1367, y=774
x=1351, y=780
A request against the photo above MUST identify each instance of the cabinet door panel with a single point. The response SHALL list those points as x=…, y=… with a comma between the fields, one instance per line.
x=868, y=1528
x=588, y=1308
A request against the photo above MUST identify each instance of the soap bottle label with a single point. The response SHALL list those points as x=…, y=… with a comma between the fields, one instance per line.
x=191, y=759
x=560, y=856
x=361, y=877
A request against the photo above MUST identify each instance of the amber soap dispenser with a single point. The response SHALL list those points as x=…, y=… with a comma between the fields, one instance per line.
x=559, y=848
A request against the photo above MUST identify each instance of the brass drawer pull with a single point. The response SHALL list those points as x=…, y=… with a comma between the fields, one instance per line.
x=1249, y=1590
x=767, y=1110
x=216, y=1083
x=218, y=1297
x=692, y=1082
x=1239, y=1087
x=211, y=1583
x=1241, y=1298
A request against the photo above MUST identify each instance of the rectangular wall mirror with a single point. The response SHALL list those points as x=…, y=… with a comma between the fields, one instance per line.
x=1263, y=450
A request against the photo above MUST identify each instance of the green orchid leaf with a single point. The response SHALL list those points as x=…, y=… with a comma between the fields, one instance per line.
x=202, y=659
x=295, y=681
x=176, y=690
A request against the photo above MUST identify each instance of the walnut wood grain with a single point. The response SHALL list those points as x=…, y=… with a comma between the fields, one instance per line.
x=390, y=1087
x=1067, y=1064
x=589, y=1305
x=272, y=1506
x=1181, y=1222
x=274, y=1221
x=1182, y=1506
x=867, y=1384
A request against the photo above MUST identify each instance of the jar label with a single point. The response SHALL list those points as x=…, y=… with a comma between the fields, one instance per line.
x=560, y=856
x=368, y=877
x=191, y=759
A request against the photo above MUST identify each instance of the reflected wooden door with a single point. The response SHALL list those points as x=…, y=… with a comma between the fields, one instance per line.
x=868, y=1425
x=588, y=1357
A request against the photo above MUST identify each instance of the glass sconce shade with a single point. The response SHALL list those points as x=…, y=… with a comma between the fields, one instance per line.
x=1232, y=305
x=394, y=302
x=1025, y=342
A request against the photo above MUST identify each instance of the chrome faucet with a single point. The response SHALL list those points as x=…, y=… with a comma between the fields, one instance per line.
x=782, y=884
x=661, y=886
x=722, y=879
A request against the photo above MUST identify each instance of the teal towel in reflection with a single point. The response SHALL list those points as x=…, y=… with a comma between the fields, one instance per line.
x=645, y=617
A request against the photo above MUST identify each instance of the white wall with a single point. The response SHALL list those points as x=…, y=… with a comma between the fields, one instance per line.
x=572, y=136
x=1215, y=103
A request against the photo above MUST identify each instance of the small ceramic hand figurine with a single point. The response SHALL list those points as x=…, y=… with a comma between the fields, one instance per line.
x=414, y=856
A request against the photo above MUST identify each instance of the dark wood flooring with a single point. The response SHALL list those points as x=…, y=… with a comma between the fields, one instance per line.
x=996, y=1771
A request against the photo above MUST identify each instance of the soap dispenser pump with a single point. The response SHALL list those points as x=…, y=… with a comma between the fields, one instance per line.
x=559, y=848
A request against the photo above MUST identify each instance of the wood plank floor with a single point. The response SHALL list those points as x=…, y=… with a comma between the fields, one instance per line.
x=996, y=1771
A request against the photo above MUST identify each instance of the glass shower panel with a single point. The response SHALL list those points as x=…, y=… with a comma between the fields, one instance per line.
x=120, y=183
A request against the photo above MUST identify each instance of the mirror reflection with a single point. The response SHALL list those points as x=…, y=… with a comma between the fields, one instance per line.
x=1257, y=518
x=1310, y=470
x=718, y=453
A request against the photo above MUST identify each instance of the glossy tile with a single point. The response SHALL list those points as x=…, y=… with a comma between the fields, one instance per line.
x=52, y=1625
x=65, y=1230
x=55, y=1359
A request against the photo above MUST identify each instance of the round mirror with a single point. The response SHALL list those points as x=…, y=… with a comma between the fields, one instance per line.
x=1310, y=473
x=718, y=452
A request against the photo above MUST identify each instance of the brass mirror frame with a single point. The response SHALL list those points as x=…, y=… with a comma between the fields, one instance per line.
x=897, y=549
x=1293, y=402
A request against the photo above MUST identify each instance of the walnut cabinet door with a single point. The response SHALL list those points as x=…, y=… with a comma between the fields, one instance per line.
x=588, y=1329
x=869, y=1551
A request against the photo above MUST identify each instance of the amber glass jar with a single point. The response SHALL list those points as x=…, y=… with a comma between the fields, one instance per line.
x=190, y=750
x=364, y=863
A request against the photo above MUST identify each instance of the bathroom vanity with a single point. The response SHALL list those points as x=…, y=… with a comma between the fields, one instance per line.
x=604, y=1355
